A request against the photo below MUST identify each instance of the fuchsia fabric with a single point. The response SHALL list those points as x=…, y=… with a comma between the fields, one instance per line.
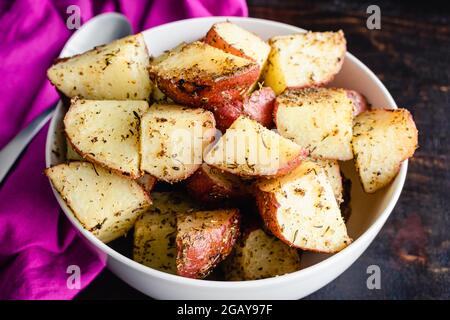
x=37, y=243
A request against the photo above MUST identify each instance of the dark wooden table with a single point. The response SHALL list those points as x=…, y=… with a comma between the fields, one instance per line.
x=411, y=55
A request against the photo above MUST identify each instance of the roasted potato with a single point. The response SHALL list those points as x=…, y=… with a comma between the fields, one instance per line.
x=213, y=186
x=105, y=203
x=382, y=139
x=227, y=111
x=107, y=132
x=155, y=231
x=300, y=209
x=205, y=238
x=333, y=173
x=116, y=71
x=233, y=39
x=249, y=149
x=360, y=103
x=258, y=255
x=173, y=139
x=259, y=106
x=304, y=60
x=318, y=119
x=196, y=74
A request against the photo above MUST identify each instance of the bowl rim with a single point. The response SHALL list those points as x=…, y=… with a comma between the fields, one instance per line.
x=371, y=231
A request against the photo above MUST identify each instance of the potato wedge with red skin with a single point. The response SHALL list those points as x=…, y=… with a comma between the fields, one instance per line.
x=227, y=111
x=210, y=185
x=196, y=74
x=248, y=149
x=233, y=39
x=205, y=238
x=360, y=103
x=300, y=209
x=259, y=106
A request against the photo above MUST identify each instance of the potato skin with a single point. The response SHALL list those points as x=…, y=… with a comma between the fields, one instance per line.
x=227, y=110
x=259, y=106
x=268, y=206
x=208, y=185
x=214, y=39
x=359, y=101
x=204, y=91
x=199, y=251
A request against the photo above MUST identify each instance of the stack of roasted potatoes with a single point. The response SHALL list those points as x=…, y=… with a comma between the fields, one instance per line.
x=243, y=136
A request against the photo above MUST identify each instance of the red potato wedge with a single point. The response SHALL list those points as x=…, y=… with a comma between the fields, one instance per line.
x=250, y=150
x=227, y=111
x=173, y=140
x=317, y=119
x=115, y=71
x=107, y=132
x=304, y=60
x=382, y=139
x=300, y=209
x=258, y=255
x=196, y=74
x=105, y=203
x=233, y=39
x=259, y=106
x=205, y=238
x=155, y=231
x=360, y=103
x=210, y=185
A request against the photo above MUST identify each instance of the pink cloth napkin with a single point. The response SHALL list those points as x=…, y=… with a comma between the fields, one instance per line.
x=37, y=243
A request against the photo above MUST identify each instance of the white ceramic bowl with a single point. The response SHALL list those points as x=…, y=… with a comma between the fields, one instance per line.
x=369, y=211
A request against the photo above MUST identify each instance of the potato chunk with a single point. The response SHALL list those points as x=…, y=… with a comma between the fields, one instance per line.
x=173, y=139
x=300, y=209
x=196, y=74
x=318, y=119
x=107, y=132
x=106, y=204
x=205, y=238
x=115, y=71
x=233, y=39
x=304, y=59
x=382, y=139
x=249, y=149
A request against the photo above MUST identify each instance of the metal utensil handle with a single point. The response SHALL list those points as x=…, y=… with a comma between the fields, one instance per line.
x=12, y=151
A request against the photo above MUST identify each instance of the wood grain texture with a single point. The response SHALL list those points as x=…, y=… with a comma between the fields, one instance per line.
x=411, y=55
